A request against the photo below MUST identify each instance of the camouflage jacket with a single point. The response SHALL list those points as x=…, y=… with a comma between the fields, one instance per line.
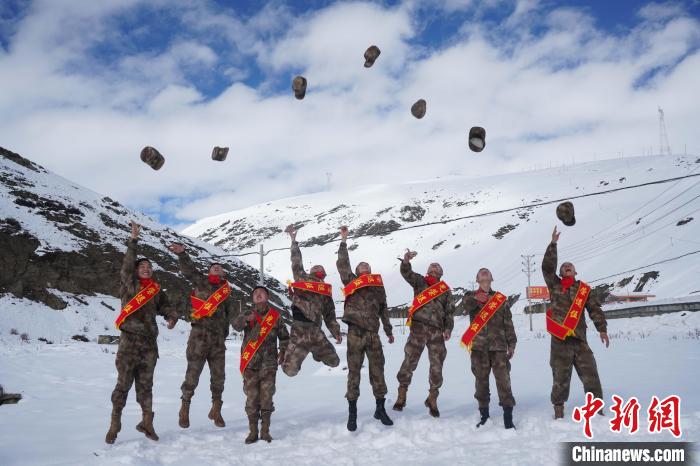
x=498, y=334
x=437, y=313
x=562, y=300
x=366, y=306
x=218, y=322
x=313, y=306
x=143, y=321
x=266, y=355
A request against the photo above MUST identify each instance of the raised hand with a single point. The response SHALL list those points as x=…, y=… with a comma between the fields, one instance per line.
x=177, y=248
x=343, y=233
x=291, y=231
x=555, y=235
x=409, y=255
x=135, y=229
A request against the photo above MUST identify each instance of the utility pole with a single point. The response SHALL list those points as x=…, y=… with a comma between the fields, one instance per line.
x=528, y=264
x=473, y=284
x=262, y=265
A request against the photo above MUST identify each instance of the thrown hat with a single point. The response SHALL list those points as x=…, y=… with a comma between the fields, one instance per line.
x=418, y=109
x=565, y=213
x=371, y=55
x=219, y=153
x=299, y=87
x=152, y=157
x=477, y=138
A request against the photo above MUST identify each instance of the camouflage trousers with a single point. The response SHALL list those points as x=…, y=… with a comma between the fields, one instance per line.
x=572, y=352
x=305, y=339
x=421, y=336
x=259, y=387
x=483, y=362
x=205, y=347
x=361, y=342
x=135, y=361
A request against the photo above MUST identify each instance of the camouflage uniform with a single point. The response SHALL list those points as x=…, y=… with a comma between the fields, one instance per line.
x=427, y=327
x=363, y=310
x=138, y=348
x=308, y=309
x=206, y=343
x=488, y=351
x=259, y=375
x=573, y=351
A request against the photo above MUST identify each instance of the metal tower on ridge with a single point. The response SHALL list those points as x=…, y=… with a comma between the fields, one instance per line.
x=664, y=147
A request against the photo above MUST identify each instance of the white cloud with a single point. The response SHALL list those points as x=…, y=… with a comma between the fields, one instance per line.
x=546, y=84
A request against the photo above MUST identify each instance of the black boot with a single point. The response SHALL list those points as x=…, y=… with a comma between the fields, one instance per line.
x=352, y=415
x=380, y=413
x=484, y=416
x=508, y=417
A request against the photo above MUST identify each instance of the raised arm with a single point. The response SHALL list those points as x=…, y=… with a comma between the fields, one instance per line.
x=343, y=262
x=126, y=274
x=297, y=262
x=413, y=279
x=187, y=267
x=549, y=262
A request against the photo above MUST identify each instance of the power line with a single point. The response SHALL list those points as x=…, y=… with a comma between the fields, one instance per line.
x=645, y=266
x=484, y=214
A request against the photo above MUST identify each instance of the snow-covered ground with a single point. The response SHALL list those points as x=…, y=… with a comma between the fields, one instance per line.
x=66, y=386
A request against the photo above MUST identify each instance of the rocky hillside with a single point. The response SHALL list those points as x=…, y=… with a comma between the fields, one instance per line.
x=61, y=243
x=470, y=222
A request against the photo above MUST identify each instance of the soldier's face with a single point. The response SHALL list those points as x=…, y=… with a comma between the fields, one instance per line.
x=484, y=279
x=216, y=269
x=567, y=269
x=363, y=267
x=318, y=271
x=435, y=270
x=259, y=296
x=144, y=270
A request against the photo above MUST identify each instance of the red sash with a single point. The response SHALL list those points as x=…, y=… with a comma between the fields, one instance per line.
x=425, y=296
x=314, y=287
x=566, y=328
x=208, y=308
x=137, y=302
x=251, y=348
x=482, y=318
x=361, y=282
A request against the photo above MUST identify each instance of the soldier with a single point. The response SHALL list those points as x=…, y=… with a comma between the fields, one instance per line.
x=141, y=300
x=262, y=330
x=490, y=340
x=431, y=318
x=312, y=301
x=569, y=346
x=213, y=311
x=365, y=305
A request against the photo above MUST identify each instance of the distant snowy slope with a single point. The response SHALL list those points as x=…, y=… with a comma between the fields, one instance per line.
x=606, y=239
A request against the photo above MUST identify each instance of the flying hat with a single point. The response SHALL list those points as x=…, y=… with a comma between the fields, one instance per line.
x=418, y=109
x=152, y=157
x=565, y=213
x=477, y=138
x=299, y=87
x=219, y=153
x=371, y=55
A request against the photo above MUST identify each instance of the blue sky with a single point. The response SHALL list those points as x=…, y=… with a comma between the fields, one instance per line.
x=90, y=83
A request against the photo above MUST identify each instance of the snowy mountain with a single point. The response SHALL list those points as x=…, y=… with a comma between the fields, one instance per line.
x=61, y=248
x=508, y=215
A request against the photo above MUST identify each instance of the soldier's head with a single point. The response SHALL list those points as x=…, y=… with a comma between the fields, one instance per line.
x=318, y=271
x=435, y=270
x=143, y=268
x=217, y=269
x=484, y=278
x=362, y=268
x=260, y=295
x=567, y=269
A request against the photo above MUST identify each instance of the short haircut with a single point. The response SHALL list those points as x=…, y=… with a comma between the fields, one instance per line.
x=138, y=262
